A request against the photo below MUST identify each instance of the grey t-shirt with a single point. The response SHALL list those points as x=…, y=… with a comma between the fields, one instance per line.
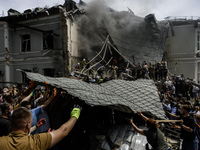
x=160, y=144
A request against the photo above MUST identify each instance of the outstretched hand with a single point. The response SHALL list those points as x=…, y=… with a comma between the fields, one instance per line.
x=129, y=120
x=55, y=92
x=181, y=122
x=47, y=85
x=49, y=130
x=139, y=113
x=33, y=84
x=76, y=111
x=41, y=122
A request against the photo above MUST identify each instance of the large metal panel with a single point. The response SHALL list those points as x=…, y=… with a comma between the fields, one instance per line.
x=137, y=95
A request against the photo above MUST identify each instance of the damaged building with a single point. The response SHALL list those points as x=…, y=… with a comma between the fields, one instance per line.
x=184, y=47
x=51, y=41
x=28, y=40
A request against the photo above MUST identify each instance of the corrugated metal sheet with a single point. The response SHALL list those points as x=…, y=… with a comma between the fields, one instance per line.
x=129, y=139
x=127, y=96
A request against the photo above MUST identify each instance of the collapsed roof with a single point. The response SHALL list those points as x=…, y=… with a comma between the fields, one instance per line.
x=126, y=96
x=137, y=38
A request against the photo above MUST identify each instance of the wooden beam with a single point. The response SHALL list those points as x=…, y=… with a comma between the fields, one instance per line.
x=168, y=120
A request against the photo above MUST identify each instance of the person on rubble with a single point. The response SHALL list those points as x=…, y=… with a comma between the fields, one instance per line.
x=139, y=71
x=77, y=67
x=157, y=71
x=152, y=72
x=83, y=63
x=154, y=136
x=19, y=138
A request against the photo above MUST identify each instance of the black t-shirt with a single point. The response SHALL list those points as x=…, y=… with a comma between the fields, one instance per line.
x=189, y=122
x=158, y=143
x=5, y=126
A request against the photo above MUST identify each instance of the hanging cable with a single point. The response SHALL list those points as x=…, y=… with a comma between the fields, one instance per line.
x=97, y=54
x=100, y=60
x=121, y=54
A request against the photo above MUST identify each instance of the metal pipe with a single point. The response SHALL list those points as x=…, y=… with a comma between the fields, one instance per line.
x=99, y=61
x=121, y=54
x=97, y=54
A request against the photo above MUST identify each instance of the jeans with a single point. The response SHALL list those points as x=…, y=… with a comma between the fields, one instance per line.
x=196, y=145
x=188, y=145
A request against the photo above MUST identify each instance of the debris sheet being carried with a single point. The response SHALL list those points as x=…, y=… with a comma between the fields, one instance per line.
x=127, y=96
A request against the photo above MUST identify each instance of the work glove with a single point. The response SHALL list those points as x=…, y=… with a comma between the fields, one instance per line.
x=33, y=93
x=76, y=111
x=40, y=122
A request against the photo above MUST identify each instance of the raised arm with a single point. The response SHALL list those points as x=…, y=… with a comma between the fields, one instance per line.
x=55, y=92
x=143, y=116
x=135, y=127
x=29, y=90
x=188, y=129
x=45, y=94
x=173, y=115
x=27, y=98
x=19, y=87
x=59, y=134
x=39, y=123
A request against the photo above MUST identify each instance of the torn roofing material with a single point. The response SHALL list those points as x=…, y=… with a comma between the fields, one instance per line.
x=137, y=38
x=127, y=96
x=125, y=137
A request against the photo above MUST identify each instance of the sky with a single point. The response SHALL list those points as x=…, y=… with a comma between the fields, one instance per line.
x=161, y=8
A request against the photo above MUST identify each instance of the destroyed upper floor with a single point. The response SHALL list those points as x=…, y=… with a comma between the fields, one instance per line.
x=136, y=37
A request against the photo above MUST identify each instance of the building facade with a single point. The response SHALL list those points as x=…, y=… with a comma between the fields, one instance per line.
x=184, y=47
x=36, y=41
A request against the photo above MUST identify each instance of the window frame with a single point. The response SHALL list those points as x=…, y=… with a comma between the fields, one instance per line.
x=26, y=43
x=48, y=39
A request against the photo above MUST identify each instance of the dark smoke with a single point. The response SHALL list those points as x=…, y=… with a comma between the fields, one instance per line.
x=134, y=36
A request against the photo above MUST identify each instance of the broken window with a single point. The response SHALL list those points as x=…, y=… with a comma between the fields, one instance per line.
x=198, y=40
x=26, y=43
x=49, y=72
x=48, y=40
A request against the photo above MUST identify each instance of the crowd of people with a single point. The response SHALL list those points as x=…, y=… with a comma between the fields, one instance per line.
x=180, y=99
x=24, y=122
x=23, y=110
x=102, y=73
